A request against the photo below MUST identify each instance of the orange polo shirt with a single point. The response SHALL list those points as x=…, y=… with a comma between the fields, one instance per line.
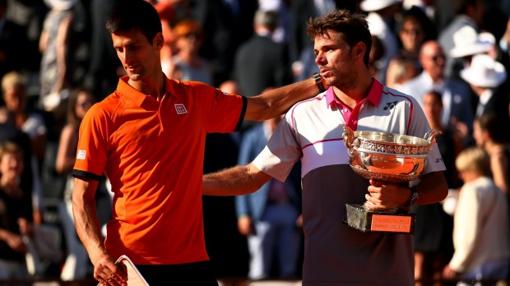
x=152, y=152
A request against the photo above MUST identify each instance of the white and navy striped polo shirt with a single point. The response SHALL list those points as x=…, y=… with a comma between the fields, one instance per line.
x=336, y=254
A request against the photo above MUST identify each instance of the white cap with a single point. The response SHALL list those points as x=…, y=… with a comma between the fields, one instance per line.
x=408, y=4
x=60, y=5
x=484, y=71
x=468, y=42
x=376, y=5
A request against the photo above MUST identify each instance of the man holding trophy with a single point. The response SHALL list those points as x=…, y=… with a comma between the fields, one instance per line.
x=355, y=105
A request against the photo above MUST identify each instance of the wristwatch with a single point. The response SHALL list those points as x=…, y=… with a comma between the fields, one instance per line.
x=318, y=82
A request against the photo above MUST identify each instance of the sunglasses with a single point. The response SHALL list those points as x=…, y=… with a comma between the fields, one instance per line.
x=412, y=31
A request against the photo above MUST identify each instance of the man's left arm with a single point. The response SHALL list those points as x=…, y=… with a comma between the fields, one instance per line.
x=431, y=189
x=274, y=102
x=432, y=186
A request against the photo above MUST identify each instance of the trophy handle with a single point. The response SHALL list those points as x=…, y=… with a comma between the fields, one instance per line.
x=431, y=135
x=348, y=135
x=366, y=159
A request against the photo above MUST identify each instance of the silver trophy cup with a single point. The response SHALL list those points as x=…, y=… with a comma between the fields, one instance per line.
x=387, y=157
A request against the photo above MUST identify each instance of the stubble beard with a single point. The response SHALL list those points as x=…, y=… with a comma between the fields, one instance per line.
x=344, y=81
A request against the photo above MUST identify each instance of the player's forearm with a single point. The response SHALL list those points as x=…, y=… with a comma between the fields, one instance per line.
x=277, y=101
x=87, y=224
x=237, y=180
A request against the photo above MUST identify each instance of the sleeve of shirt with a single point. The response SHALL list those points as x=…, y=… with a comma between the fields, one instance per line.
x=222, y=112
x=467, y=222
x=419, y=127
x=281, y=152
x=92, y=148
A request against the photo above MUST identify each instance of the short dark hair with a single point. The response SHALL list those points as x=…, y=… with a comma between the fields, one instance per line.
x=134, y=14
x=461, y=6
x=10, y=147
x=495, y=125
x=268, y=19
x=417, y=14
x=353, y=27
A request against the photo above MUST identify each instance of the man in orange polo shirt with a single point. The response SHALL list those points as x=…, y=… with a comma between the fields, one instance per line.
x=148, y=138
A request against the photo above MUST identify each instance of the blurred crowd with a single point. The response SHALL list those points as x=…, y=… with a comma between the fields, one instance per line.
x=56, y=60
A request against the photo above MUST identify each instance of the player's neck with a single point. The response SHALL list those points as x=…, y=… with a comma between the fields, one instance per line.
x=352, y=94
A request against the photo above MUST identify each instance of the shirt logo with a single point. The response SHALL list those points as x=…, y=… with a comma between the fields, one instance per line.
x=390, y=105
x=81, y=154
x=180, y=108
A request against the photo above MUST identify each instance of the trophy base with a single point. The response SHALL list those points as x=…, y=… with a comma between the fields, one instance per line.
x=372, y=221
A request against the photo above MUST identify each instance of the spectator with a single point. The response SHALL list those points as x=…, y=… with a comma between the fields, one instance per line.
x=10, y=133
x=54, y=46
x=260, y=62
x=469, y=13
x=227, y=24
x=450, y=143
x=455, y=94
x=381, y=21
x=15, y=98
x=31, y=124
x=171, y=12
x=282, y=9
x=75, y=265
x=433, y=227
x=415, y=29
x=268, y=216
x=401, y=69
x=490, y=133
x=480, y=233
x=467, y=43
x=486, y=76
x=15, y=214
x=188, y=39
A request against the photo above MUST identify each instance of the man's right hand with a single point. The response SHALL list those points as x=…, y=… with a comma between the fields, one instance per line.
x=244, y=225
x=107, y=272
